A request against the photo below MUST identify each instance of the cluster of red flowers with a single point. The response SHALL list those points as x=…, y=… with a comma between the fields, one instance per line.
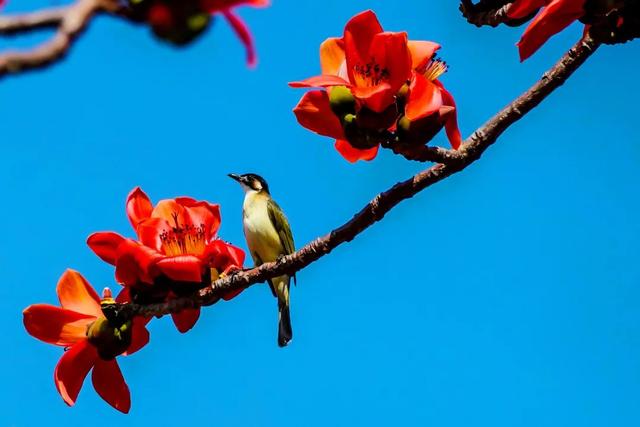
x=181, y=21
x=177, y=251
x=379, y=85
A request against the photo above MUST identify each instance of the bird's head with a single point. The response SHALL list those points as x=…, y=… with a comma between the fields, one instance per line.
x=251, y=182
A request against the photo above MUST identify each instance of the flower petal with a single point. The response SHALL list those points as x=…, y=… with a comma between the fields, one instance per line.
x=182, y=268
x=362, y=28
x=73, y=367
x=558, y=15
x=105, y=245
x=332, y=59
x=138, y=206
x=424, y=98
x=150, y=230
x=314, y=113
x=109, y=383
x=522, y=8
x=223, y=256
x=136, y=263
x=421, y=52
x=202, y=214
x=186, y=319
x=55, y=325
x=354, y=154
x=243, y=33
x=451, y=119
x=76, y=294
x=139, y=335
x=323, y=80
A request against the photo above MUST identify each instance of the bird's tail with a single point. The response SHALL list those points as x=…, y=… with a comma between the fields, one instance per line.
x=284, y=324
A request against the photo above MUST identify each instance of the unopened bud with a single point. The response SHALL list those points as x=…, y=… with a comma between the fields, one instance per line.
x=342, y=101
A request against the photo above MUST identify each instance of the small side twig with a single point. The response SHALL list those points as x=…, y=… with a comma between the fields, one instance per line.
x=485, y=12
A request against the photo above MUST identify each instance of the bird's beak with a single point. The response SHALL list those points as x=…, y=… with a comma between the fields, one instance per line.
x=236, y=177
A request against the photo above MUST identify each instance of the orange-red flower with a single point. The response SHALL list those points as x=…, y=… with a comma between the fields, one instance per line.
x=375, y=66
x=91, y=341
x=177, y=250
x=555, y=16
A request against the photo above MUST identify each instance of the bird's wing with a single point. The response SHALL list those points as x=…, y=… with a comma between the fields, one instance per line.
x=281, y=224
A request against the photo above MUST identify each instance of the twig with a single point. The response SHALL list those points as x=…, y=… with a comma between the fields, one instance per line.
x=70, y=21
x=375, y=210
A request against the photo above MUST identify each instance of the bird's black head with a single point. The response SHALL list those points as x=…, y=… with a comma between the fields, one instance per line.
x=251, y=181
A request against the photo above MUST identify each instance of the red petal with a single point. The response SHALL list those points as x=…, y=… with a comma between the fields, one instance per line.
x=55, y=325
x=421, y=52
x=139, y=335
x=451, y=120
x=185, y=319
x=139, y=206
x=73, y=367
x=558, y=15
x=182, y=268
x=362, y=28
x=202, y=214
x=314, y=113
x=136, y=263
x=105, y=245
x=424, y=98
x=321, y=81
x=354, y=154
x=391, y=55
x=232, y=294
x=76, y=294
x=522, y=8
x=243, y=33
x=150, y=230
x=109, y=383
x=223, y=256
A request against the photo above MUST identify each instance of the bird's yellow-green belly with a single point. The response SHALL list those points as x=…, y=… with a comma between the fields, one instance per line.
x=262, y=238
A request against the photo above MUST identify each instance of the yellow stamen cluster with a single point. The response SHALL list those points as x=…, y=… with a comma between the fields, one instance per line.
x=435, y=69
x=184, y=240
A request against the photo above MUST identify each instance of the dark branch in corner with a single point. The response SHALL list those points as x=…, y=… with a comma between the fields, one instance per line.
x=69, y=22
x=375, y=210
x=485, y=12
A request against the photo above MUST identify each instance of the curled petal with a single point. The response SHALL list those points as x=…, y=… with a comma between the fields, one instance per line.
x=223, y=256
x=186, y=319
x=138, y=206
x=76, y=294
x=105, y=245
x=73, y=367
x=354, y=154
x=362, y=28
x=183, y=268
x=203, y=214
x=424, y=99
x=139, y=335
x=109, y=383
x=520, y=9
x=332, y=59
x=558, y=15
x=243, y=33
x=451, y=119
x=136, y=263
x=422, y=52
x=150, y=230
x=55, y=325
x=324, y=80
x=314, y=113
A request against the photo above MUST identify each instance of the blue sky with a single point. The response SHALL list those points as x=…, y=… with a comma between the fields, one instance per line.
x=507, y=295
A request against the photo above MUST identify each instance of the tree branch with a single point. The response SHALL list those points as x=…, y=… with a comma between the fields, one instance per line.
x=375, y=210
x=69, y=21
x=487, y=12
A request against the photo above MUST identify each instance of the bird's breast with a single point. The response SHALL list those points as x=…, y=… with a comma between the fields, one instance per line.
x=262, y=237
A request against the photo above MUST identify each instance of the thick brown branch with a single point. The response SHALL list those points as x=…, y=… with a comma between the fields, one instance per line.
x=69, y=22
x=375, y=210
x=492, y=13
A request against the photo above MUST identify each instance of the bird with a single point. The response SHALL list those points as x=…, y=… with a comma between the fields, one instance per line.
x=269, y=238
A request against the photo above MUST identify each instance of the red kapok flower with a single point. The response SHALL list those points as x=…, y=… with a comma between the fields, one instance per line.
x=374, y=66
x=177, y=241
x=225, y=7
x=554, y=17
x=90, y=340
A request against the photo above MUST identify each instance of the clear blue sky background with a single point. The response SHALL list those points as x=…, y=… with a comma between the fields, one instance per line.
x=508, y=295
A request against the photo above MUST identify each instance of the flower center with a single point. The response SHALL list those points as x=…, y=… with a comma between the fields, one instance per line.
x=435, y=68
x=183, y=239
x=370, y=74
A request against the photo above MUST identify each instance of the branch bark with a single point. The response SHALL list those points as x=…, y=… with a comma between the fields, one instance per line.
x=69, y=22
x=374, y=211
x=492, y=13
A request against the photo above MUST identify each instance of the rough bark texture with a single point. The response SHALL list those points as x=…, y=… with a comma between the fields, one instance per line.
x=375, y=210
x=485, y=12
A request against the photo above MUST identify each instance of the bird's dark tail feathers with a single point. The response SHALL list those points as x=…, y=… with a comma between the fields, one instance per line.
x=284, y=324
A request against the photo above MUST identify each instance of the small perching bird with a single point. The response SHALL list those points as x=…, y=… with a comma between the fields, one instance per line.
x=269, y=237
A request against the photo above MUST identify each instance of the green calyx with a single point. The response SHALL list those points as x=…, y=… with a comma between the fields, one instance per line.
x=342, y=101
x=110, y=341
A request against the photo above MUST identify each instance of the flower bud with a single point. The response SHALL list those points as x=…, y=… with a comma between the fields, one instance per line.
x=418, y=132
